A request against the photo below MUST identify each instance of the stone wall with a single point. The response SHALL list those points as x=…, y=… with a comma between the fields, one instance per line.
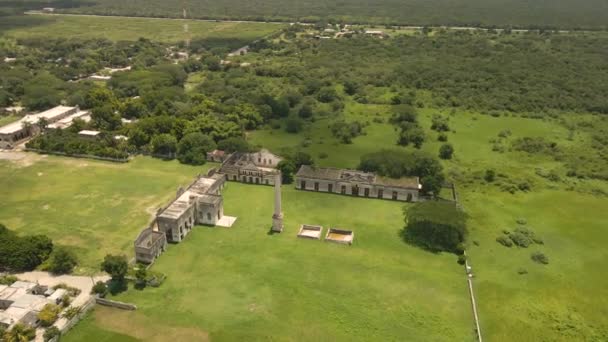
x=115, y=304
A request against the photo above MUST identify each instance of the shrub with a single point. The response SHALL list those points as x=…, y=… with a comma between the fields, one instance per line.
x=20, y=333
x=520, y=239
x=522, y=271
x=521, y=221
x=442, y=137
x=51, y=333
x=100, y=288
x=49, y=314
x=489, y=176
x=323, y=155
x=8, y=280
x=539, y=258
x=62, y=261
x=71, y=312
x=462, y=259
x=446, y=151
x=505, y=241
x=73, y=291
x=66, y=300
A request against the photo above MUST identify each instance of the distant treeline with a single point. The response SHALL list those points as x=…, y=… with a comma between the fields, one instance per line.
x=516, y=13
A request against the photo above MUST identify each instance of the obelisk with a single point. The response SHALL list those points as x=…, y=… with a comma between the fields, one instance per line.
x=277, y=217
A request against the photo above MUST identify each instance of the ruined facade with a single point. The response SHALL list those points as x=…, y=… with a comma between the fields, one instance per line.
x=256, y=168
x=149, y=245
x=357, y=183
x=200, y=203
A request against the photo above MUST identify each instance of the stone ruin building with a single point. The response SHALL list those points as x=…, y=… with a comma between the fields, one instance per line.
x=200, y=203
x=357, y=183
x=16, y=132
x=255, y=168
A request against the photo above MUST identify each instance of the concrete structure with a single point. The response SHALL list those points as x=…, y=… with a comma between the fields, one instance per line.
x=310, y=232
x=89, y=134
x=256, y=168
x=357, y=183
x=20, y=303
x=149, y=245
x=277, y=217
x=200, y=203
x=69, y=120
x=14, y=133
x=342, y=236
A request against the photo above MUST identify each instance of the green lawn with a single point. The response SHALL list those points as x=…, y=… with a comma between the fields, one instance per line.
x=244, y=284
x=93, y=207
x=5, y=120
x=117, y=29
x=559, y=301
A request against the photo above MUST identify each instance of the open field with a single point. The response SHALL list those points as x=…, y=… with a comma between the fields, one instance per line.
x=93, y=207
x=559, y=301
x=242, y=283
x=118, y=29
x=562, y=13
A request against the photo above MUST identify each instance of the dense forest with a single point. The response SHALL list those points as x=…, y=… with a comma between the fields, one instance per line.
x=291, y=82
x=519, y=13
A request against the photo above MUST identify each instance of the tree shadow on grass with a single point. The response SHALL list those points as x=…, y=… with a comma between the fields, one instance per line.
x=410, y=240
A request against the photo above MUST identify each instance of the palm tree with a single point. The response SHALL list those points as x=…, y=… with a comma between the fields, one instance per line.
x=20, y=333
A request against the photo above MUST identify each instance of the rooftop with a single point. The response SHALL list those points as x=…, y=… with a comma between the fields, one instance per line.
x=184, y=201
x=89, y=133
x=49, y=115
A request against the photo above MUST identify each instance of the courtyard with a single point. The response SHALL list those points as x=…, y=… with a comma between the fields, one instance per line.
x=244, y=283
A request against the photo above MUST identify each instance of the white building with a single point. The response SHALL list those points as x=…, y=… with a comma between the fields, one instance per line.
x=13, y=133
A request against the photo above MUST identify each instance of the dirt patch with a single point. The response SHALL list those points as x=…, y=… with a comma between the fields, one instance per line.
x=20, y=159
x=46, y=207
x=137, y=325
x=40, y=174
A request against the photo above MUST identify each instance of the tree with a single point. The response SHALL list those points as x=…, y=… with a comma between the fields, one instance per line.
x=351, y=87
x=164, y=145
x=105, y=118
x=411, y=134
x=20, y=333
x=327, y=95
x=287, y=169
x=301, y=158
x=193, y=148
x=100, y=288
x=116, y=266
x=62, y=261
x=436, y=226
x=306, y=111
x=234, y=144
x=293, y=125
x=446, y=151
x=43, y=123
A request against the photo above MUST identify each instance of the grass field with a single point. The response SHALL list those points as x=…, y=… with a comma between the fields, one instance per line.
x=556, y=302
x=561, y=13
x=117, y=29
x=244, y=284
x=93, y=207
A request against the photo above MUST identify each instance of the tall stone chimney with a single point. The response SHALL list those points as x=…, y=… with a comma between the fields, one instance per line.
x=277, y=217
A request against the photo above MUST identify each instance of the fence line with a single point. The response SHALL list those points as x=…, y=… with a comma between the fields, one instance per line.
x=473, y=301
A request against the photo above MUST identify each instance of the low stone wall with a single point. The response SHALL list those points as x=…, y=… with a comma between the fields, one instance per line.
x=84, y=309
x=116, y=304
